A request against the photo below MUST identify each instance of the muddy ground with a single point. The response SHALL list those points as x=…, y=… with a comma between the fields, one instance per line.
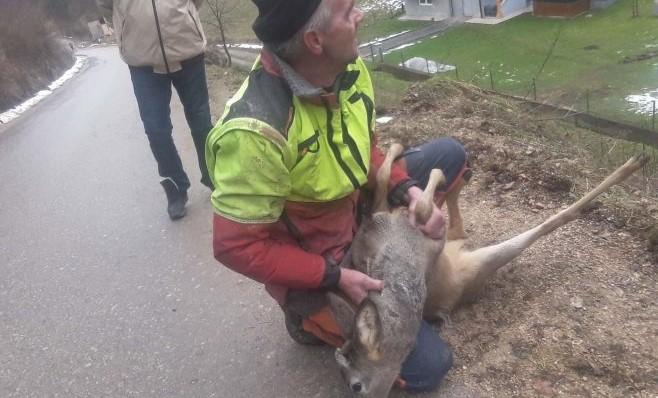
x=576, y=315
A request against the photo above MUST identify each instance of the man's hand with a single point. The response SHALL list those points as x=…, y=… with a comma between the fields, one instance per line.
x=356, y=285
x=435, y=227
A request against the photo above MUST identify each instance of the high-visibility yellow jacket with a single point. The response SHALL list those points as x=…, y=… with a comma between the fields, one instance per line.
x=283, y=144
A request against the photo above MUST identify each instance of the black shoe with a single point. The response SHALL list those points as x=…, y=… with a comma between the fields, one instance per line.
x=176, y=199
x=297, y=332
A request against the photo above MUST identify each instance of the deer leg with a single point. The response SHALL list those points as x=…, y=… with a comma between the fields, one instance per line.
x=424, y=207
x=456, y=224
x=488, y=259
x=382, y=178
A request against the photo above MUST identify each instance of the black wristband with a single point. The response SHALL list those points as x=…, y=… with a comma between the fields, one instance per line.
x=331, y=274
x=396, y=196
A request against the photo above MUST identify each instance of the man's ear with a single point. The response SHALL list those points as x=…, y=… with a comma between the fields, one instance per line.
x=344, y=313
x=369, y=328
x=313, y=42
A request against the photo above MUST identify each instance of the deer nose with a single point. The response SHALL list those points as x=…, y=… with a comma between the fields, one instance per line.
x=356, y=387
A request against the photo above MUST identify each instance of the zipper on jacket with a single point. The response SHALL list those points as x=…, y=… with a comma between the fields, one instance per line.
x=157, y=25
x=195, y=25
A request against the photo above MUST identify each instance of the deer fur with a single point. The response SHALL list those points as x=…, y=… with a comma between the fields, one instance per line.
x=459, y=273
x=382, y=331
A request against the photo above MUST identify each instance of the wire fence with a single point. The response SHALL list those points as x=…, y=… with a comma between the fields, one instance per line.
x=620, y=133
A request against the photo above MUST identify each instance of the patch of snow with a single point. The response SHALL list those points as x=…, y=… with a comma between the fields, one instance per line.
x=428, y=66
x=378, y=40
x=643, y=103
x=384, y=119
x=401, y=47
x=16, y=111
x=383, y=5
x=650, y=45
x=243, y=45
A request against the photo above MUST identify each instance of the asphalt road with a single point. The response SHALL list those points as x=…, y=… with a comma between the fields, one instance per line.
x=435, y=28
x=101, y=295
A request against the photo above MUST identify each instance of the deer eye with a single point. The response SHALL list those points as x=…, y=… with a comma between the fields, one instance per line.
x=356, y=387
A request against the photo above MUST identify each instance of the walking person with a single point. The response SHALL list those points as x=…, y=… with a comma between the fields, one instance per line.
x=163, y=43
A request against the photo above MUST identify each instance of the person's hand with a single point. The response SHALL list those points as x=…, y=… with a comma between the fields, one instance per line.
x=356, y=285
x=435, y=227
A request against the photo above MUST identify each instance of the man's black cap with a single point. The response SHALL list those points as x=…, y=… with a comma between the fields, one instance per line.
x=279, y=20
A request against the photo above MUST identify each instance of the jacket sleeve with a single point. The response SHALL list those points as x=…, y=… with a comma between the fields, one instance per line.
x=105, y=8
x=252, y=182
x=250, y=250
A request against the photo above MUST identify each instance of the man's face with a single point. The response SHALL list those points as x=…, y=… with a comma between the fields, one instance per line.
x=339, y=38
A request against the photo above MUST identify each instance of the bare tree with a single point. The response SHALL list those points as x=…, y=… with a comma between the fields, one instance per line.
x=219, y=12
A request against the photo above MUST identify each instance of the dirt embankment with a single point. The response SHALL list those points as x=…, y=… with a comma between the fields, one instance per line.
x=32, y=54
x=576, y=315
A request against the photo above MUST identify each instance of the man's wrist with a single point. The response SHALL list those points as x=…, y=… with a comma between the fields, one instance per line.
x=398, y=195
x=331, y=275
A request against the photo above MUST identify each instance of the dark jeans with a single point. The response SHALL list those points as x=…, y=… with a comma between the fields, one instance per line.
x=153, y=93
x=427, y=363
x=444, y=153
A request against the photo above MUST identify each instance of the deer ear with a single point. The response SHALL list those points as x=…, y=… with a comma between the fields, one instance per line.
x=369, y=328
x=344, y=313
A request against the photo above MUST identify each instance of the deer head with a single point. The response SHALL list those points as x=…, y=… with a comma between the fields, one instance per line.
x=367, y=364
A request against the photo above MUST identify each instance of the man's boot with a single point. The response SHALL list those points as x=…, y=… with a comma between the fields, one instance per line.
x=297, y=332
x=176, y=199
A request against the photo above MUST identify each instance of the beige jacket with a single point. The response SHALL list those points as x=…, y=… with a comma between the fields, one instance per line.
x=158, y=33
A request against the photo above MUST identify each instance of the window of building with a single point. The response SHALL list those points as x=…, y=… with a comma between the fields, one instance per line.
x=425, y=2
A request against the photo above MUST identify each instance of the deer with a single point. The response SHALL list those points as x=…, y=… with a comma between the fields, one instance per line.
x=459, y=274
x=382, y=331
x=423, y=278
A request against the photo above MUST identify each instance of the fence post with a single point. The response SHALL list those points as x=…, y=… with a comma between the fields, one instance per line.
x=653, y=116
x=587, y=100
x=456, y=72
x=491, y=79
x=372, y=52
x=534, y=88
x=427, y=64
x=381, y=55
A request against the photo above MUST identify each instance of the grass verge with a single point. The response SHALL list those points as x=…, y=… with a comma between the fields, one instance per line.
x=606, y=53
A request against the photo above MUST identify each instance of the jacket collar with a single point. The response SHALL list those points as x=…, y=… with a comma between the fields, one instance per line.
x=301, y=87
